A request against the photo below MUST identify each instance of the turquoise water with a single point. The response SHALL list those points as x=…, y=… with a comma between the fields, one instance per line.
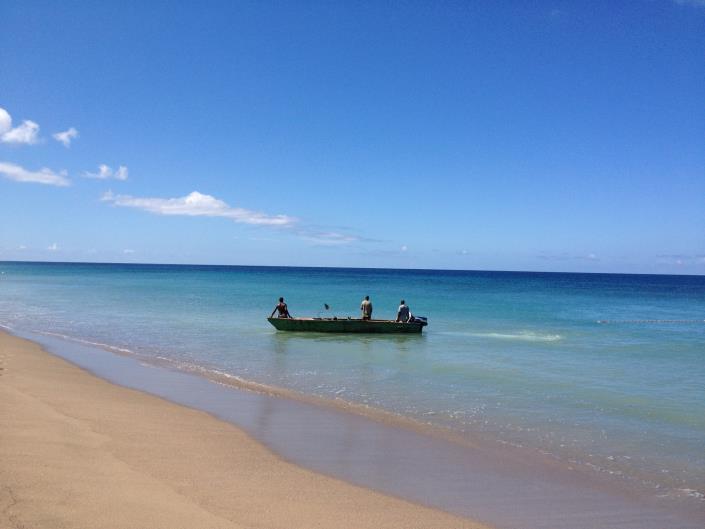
x=605, y=372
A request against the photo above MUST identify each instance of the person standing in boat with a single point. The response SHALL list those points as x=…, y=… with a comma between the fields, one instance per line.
x=282, y=308
x=404, y=312
x=366, y=308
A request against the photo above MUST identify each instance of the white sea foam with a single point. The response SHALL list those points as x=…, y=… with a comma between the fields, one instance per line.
x=87, y=342
x=693, y=493
x=520, y=336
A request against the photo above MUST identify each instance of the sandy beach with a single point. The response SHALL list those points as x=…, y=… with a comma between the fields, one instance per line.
x=78, y=451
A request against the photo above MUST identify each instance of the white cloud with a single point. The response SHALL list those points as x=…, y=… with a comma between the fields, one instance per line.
x=53, y=248
x=22, y=247
x=66, y=136
x=105, y=172
x=27, y=133
x=121, y=173
x=404, y=248
x=5, y=121
x=43, y=176
x=197, y=204
x=128, y=251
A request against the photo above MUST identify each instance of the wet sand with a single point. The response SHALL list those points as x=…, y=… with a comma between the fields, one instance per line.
x=78, y=451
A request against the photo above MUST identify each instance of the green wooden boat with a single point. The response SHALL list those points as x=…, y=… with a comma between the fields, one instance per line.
x=346, y=325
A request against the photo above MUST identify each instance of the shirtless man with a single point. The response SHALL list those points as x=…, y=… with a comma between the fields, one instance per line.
x=366, y=308
x=282, y=308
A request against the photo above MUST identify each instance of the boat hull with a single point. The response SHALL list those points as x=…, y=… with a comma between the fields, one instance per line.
x=346, y=325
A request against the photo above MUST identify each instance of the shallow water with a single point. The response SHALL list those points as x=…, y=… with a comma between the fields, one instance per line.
x=604, y=372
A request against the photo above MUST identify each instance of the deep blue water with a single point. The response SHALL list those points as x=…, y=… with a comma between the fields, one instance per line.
x=600, y=370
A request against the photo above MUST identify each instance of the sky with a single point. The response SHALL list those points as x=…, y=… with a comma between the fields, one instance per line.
x=477, y=135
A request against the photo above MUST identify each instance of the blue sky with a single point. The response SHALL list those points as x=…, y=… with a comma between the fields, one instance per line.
x=557, y=136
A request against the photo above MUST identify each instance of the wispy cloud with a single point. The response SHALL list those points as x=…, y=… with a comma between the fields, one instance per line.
x=682, y=256
x=568, y=257
x=53, y=247
x=328, y=238
x=46, y=176
x=66, y=136
x=196, y=204
x=682, y=259
x=105, y=172
x=121, y=173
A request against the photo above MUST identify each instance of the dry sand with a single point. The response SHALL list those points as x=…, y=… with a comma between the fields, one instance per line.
x=79, y=452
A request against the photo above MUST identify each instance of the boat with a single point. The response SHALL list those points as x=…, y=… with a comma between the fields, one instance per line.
x=347, y=325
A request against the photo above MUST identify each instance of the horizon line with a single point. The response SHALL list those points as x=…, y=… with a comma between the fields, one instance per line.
x=349, y=268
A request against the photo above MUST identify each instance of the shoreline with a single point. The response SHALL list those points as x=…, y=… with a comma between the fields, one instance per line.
x=78, y=451
x=477, y=441
x=394, y=460
x=217, y=376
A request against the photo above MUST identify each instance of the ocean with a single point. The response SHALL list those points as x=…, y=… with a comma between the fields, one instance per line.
x=605, y=372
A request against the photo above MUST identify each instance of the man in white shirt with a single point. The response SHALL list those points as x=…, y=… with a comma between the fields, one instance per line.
x=404, y=312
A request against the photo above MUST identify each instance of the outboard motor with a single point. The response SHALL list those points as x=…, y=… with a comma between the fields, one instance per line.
x=423, y=320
